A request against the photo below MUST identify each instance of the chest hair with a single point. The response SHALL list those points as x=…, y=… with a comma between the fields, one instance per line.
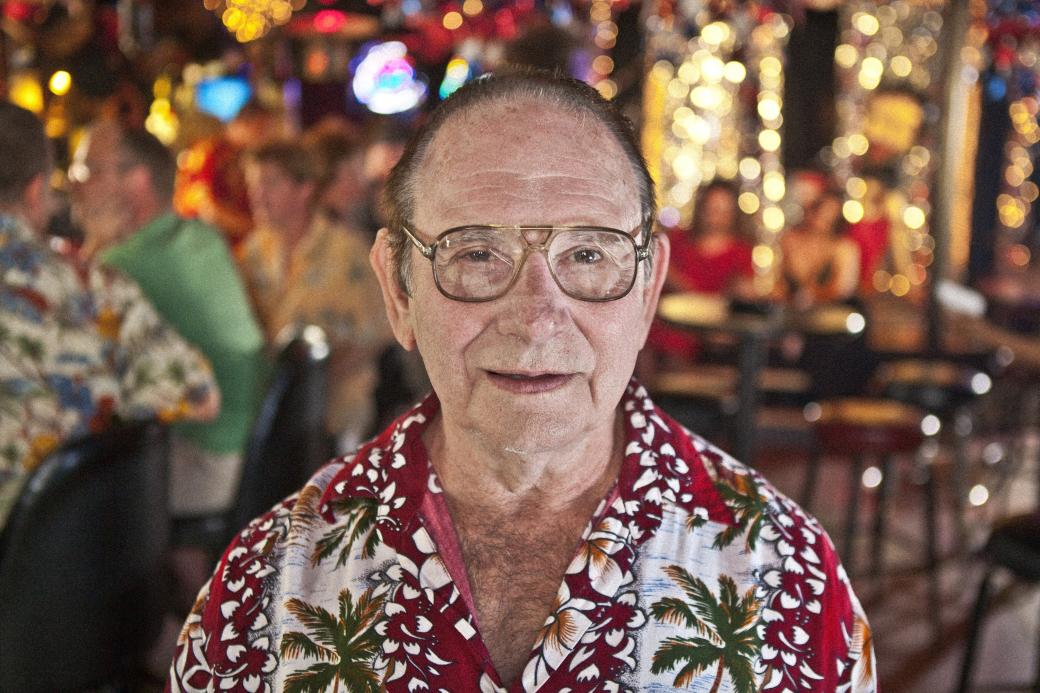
x=515, y=567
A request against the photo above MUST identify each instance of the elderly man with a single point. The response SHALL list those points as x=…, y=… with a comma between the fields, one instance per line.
x=536, y=523
x=80, y=347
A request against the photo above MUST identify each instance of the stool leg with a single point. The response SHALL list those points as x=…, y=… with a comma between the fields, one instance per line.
x=968, y=663
x=853, y=513
x=812, y=472
x=962, y=432
x=880, y=518
x=932, y=548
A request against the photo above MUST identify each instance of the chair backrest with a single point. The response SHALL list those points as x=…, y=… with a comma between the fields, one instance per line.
x=81, y=562
x=288, y=441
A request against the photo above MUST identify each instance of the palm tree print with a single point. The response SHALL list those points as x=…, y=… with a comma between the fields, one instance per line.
x=360, y=521
x=343, y=645
x=749, y=509
x=727, y=637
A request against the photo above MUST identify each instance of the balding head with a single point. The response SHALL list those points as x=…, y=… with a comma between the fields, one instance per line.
x=530, y=91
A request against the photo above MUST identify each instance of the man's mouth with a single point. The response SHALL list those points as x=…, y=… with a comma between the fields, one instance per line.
x=528, y=382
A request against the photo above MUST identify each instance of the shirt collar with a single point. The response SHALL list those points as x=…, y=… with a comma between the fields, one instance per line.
x=664, y=467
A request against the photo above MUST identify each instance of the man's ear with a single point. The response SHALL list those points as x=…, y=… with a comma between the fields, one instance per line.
x=36, y=202
x=662, y=251
x=397, y=301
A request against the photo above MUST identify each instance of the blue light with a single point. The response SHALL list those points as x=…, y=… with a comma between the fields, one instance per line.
x=222, y=97
x=996, y=88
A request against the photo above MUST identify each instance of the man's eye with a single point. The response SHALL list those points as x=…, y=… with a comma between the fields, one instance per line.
x=586, y=256
x=476, y=255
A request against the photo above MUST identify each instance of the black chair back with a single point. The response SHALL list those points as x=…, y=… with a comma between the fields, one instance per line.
x=288, y=441
x=81, y=562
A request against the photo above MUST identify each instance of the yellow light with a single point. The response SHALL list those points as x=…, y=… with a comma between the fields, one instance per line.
x=773, y=218
x=846, y=56
x=1030, y=191
x=684, y=166
x=60, y=83
x=689, y=73
x=280, y=12
x=913, y=217
x=735, y=72
x=769, y=109
x=841, y=147
x=26, y=92
x=856, y=187
x=870, y=72
x=882, y=281
x=901, y=66
x=233, y=18
x=1015, y=176
x=713, y=69
x=603, y=64
x=662, y=70
x=715, y=33
x=859, y=144
x=763, y=256
x=600, y=12
x=866, y=24
x=852, y=210
x=750, y=168
x=607, y=88
x=978, y=495
x=677, y=89
x=452, y=20
x=475, y=7
x=748, y=202
x=706, y=98
x=900, y=285
x=770, y=66
x=773, y=186
x=769, y=140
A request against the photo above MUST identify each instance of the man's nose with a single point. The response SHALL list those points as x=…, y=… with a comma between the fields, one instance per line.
x=535, y=306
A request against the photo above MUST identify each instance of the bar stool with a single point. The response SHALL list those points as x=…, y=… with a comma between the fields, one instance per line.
x=946, y=389
x=858, y=428
x=1014, y=545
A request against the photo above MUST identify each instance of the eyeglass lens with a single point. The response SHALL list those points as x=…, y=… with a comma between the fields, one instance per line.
x=587, y=263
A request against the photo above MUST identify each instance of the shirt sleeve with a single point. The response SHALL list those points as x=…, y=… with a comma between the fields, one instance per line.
x=160, y=374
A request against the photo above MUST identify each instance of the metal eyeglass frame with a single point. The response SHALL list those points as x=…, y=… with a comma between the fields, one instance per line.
x=643, y=252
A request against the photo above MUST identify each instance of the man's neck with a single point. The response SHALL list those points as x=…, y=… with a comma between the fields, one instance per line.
x=473, y=473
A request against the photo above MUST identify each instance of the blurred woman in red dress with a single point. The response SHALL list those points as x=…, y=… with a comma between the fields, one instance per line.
x=713, y=256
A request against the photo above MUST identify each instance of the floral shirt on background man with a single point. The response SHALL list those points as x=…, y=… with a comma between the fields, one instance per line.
x=694, y=572
x=79, y=348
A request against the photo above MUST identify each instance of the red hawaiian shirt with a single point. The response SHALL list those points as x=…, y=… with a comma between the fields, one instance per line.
x=694, y=573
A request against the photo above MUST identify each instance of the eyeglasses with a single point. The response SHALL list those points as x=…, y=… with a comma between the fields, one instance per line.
x=481, y=263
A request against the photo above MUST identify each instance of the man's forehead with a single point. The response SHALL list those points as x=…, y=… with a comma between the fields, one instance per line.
x=526, y=147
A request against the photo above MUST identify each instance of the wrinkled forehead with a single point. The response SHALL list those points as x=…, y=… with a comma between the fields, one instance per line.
x=497, y=158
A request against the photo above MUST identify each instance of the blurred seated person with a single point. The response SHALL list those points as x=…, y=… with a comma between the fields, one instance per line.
x=122, y=190
x=713, y=256
x=81, y=346
x=820, y=264
x=306, y=263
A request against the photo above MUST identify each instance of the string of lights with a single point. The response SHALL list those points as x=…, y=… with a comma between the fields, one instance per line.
x=887, y=69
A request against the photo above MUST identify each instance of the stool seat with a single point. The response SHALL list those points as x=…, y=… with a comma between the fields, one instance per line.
x=1015, y=545
x=935, y=385
x=860, y=425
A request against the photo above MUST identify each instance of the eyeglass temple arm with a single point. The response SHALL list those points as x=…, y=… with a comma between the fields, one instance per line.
x=426, y=250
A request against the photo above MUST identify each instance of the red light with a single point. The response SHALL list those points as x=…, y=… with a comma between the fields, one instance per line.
x=329, y=21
